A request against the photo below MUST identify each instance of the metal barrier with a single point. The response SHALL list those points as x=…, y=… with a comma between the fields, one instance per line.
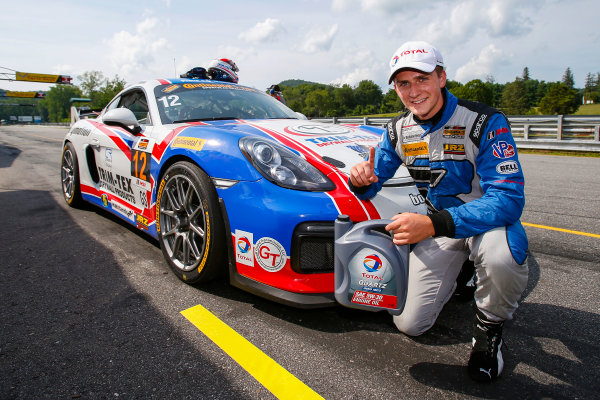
x=543, y=132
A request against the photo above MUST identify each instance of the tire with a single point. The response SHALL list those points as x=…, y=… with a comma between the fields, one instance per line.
x=189, y=224
x=69, y=175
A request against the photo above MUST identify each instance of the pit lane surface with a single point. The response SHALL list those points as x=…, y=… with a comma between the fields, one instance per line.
x=90, y=309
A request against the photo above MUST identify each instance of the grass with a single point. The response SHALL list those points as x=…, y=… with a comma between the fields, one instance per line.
x=588, y=109
x=561, y=153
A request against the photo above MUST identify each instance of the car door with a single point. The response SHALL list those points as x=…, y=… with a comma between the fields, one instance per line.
x=123, y=160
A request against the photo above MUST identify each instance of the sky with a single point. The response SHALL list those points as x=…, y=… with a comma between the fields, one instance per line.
x=330, y=42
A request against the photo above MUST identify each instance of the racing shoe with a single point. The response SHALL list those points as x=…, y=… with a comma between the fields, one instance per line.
x=486, y=363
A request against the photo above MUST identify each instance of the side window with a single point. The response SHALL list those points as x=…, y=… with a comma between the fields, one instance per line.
x=137, y=103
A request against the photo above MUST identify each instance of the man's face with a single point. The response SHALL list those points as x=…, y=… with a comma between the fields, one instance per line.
x=421, y=92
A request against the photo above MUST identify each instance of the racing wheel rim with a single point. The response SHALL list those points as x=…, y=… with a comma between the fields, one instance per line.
x=68, y=175
x=183, y=222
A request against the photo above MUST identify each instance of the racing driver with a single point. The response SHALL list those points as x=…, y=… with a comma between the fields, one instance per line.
x=463, y=159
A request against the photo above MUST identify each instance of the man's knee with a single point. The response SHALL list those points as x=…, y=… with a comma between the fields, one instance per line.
x=411, y=325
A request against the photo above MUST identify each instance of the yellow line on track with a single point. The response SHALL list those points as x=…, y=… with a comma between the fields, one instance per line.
x=264, y=369
x=551, y=228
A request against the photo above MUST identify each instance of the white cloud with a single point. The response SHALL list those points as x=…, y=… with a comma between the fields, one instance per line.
x=318, y=40
x=354, y=77
x=481, y=66
x=131, y=53
x=267, y=31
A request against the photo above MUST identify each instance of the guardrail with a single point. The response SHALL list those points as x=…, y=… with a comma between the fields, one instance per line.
x=543, y=132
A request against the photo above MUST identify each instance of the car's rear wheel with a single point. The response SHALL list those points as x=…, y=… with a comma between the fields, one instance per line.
x=189, y=223
x=69, y=175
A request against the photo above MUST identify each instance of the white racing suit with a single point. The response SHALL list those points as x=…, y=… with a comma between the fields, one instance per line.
x=464, y=163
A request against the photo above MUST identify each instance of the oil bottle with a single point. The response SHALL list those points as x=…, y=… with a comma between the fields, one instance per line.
x=371, y=272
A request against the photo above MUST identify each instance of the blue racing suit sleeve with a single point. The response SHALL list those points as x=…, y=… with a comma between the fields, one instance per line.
x=386, y=163
x=502, y=182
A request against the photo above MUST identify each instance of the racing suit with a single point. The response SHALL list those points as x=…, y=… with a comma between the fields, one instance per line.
x=464, y=163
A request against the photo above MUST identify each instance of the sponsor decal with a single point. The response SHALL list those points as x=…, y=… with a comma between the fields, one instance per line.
x=141, y=222
x=507, y=167
x=415, y=149
x=320, y=129
x=455, y=149
x=141, y=184
x=188, y=143
x=170, y=88
x=477, y=130
x=117, y=184
x=493, y=134
x=411, y=133
x=142, y=144
x=270, y=254
x=125, y=211
x=502, y=149
x=244, y=252
x=108, y=157
x=454, y=132
x=104, y=199
x=217, y=86
x=338, y=139
x=416, y=199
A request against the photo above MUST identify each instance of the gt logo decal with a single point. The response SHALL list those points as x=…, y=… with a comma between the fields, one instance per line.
x=140, y=165
x=270, y=254
x=503, y=149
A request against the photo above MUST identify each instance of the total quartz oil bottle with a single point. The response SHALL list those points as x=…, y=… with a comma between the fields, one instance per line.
x=371, y=272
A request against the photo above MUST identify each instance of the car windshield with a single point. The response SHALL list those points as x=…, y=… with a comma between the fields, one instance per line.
x=209, y=101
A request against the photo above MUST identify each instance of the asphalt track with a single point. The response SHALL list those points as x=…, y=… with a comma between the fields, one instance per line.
x=90, y=310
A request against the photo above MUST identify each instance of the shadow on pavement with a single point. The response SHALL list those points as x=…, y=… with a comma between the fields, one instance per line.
x=73, y=327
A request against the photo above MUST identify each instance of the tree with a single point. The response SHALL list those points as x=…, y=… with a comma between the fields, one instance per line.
x=560, y=99
x=590, y=90
x=391, y=103
x=58, y=102
x=91, y=81
x=514, y=98
x=568, y=78
x=318, y=103
x=475, y=90
x=525, y=75
x=102, y=96
x=368, y=95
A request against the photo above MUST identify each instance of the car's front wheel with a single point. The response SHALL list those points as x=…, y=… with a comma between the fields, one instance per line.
x=189, y=223
x=69, y=175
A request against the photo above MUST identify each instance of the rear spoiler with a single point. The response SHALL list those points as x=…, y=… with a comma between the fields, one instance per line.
x=78, y=113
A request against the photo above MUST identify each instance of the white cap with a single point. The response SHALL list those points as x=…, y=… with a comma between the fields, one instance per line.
x=415, y=55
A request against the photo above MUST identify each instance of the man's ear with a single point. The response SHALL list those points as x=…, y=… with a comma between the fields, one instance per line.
x=443, y=79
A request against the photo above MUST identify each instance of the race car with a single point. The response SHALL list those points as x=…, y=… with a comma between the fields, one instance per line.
x=229, y=181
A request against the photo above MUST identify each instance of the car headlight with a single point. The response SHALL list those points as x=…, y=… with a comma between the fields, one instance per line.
x=283, y=167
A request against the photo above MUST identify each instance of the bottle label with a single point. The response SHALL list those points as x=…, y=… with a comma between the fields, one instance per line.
x=372, y=280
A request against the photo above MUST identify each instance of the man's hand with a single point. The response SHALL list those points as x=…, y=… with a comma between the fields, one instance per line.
x=409, y=228
x=363, y=173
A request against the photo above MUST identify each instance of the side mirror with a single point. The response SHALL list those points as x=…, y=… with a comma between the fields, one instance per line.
x=124, y=118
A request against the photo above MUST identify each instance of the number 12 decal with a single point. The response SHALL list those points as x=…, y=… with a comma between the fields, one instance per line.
x=140, y=165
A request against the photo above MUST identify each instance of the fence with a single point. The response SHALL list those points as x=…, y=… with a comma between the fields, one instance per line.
x=548, y=132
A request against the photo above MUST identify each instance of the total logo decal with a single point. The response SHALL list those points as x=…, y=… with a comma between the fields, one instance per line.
x=502, y=149
x=372, y=263
x=244, y=253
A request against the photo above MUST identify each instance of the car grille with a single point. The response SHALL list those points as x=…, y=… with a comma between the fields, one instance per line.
x=312, y=248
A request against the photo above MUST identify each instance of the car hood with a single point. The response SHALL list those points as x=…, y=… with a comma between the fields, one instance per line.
x=341, y=146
